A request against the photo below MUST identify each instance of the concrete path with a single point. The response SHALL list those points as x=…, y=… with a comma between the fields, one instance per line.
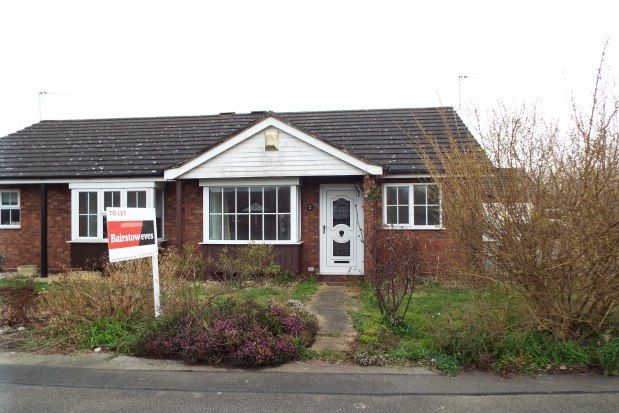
x=333, y=303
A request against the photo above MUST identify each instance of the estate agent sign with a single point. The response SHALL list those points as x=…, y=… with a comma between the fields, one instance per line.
x=131, y=234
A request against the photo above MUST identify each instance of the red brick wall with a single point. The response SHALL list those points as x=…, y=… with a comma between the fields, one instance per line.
x=310, y=226
x=58, y=227
x=22, y=246
x=434, y=243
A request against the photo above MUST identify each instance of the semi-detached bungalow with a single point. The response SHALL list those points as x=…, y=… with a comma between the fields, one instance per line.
x=294, y=180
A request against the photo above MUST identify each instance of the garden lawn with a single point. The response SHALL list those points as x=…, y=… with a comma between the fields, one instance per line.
x=440, y=331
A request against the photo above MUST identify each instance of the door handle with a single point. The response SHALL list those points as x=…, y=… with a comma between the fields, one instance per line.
x=324, y=229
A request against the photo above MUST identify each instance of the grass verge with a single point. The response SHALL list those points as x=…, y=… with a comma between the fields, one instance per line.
x=452, y=329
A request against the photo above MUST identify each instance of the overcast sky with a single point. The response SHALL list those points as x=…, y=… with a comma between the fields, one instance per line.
x=131, y=58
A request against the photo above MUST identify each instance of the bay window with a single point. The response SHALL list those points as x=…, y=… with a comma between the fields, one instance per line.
x=251, y=213
x=10, y=215
x=414, y=206
x=89, y=201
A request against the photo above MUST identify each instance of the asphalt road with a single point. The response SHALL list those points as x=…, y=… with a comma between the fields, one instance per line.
x=28, y=388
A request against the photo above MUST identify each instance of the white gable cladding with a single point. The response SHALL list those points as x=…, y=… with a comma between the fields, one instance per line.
x=249, y=158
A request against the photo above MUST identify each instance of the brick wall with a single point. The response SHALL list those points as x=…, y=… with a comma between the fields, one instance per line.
x=22, y=246
x=433, y=243
x=310, y=226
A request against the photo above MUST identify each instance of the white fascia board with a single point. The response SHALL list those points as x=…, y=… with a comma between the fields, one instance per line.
x=113, y=184
x=247, y=133
x=77, y=181
x=250, y=181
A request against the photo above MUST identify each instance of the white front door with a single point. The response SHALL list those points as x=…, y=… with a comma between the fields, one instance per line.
x=341, y=230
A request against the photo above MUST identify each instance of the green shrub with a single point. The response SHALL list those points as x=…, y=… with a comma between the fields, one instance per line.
x=116, y=334
x=251, y=261
x=608, y=355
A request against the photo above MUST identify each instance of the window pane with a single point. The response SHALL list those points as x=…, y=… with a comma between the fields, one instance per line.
x=242, y=200
x=402, y=195
x=420, y=195
x=105, y=227
x=392, y=195
x=8, y=198
x=83, y=202
x=229, y=200
x=92, y=202
x=402, y=215
x=242, y=227
x=83, y=225
x=283, y=199
x=256, y=200
x=392, y=217
x=159, y=212
x=270, y=227
x=92, y=225
x=434, y=215
x=341, y=212
x=229, y=227
x=111, y=200
x=142, y=199
x=15, y=215
x=214, y=200
x=341, y=249
x=270, y=199
x=214, y=227
x=5, y=216
x=256, y=227
x=283, y=226
x=420, y=215
x=433, y=194
x=136, y=199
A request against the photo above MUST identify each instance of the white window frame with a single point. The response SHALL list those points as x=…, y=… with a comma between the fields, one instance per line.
x=100, y=189
x=10, y=207
x=295, y=202
x=411, y=207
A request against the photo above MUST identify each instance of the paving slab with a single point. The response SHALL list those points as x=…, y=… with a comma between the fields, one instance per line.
x=333, y=304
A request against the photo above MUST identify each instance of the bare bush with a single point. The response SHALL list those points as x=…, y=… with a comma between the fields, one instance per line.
x=393, y=260
x=542, y=214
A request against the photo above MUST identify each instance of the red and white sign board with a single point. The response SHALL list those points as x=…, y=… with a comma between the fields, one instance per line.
x=131, y=233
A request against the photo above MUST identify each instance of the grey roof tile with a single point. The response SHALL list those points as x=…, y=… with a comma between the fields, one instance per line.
x=132, y=147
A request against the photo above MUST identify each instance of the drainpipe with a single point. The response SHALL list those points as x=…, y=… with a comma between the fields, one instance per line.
x=43, y=263
x=179, y=214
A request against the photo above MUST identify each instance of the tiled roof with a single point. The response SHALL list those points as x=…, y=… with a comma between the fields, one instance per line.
x=132, y=147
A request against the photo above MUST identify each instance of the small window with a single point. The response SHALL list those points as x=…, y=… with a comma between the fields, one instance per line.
x=111, y=199
x=87, y=214
x=412, y=206
x=136, y=199
x=10, y=215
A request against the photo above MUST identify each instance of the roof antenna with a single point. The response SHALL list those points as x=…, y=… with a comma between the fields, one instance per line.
x=41, y=93
x=44, y=92
x=460, y=79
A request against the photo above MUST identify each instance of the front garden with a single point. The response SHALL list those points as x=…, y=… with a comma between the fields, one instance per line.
x=452, y=329
x=250, y=315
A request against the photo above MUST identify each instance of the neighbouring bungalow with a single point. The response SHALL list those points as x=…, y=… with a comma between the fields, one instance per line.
x=294, y=180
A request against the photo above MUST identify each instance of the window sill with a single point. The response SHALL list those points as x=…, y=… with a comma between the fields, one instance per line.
x=255, y=242
x=10, y=227
x=412, y=227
